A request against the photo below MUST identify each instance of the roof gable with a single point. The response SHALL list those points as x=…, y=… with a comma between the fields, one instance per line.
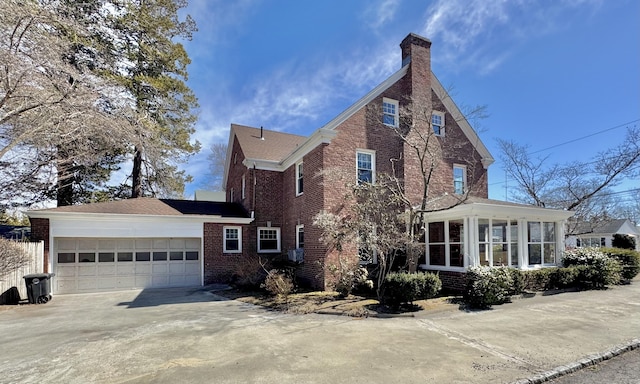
x=257, y=143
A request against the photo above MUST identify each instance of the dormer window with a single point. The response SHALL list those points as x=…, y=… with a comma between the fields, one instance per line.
x=390, y=112
x=437, y=123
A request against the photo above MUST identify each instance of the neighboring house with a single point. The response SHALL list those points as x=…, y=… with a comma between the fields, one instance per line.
x=275, y=184
x=15, y=232
x=282, y=180
x=602, y=235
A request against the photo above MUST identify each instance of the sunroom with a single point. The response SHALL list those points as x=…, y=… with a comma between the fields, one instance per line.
x=482, y=232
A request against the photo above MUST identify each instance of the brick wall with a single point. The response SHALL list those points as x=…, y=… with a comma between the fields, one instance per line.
x=40, y=232
x=219, y=266
x=452, y=281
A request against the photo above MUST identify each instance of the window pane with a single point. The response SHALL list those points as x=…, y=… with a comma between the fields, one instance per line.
x=436, y=254
x=87, y=257
x=268, y=245
x=550, y=253
x=300, y=237
x=514, y=254
x=436, y=232
x=500, y=255
x=535, y=254
x=456, y=231
x=175, y=255
x=192, y=255
x=483, y=230
x=549, y=232
x=484, y=254
x=143, y=256
x=106, y=257
x=66, y=258
x=456, y=258
x=159, y=256
x=534, y=233
x=232, y=245
x=499, y=230
x=125, y=256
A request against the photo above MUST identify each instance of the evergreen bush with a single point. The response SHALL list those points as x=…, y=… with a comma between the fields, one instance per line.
x=403, y=287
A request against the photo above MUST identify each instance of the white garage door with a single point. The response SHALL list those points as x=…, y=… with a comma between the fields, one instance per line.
x=96, y=265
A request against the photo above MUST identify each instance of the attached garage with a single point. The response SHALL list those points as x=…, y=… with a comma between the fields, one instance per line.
x=130, y=244
x=104, y=264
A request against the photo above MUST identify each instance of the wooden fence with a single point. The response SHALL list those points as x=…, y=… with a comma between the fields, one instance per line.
x=10, y=282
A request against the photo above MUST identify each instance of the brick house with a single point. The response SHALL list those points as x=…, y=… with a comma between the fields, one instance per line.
x=279, y=178
x=275, y=183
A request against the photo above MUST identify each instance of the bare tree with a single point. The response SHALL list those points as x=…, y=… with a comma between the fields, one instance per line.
x=216, y=159
x=12, y=256
x=388, y=217
x=581, y=187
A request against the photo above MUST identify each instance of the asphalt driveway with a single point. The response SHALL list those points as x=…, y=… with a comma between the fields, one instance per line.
x=193, y=335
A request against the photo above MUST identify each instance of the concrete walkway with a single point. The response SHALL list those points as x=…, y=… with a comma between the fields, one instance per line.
x=192, y=335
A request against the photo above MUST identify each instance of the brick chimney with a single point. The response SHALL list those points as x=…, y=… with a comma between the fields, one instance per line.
x=416, y=52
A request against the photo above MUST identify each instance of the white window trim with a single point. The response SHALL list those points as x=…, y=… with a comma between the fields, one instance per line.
x=464, y=178
x=298, y=228
x=542, y=242
x=298, y=191
x=244, y=187
x=224, y=239
x=490, y=242
x=277, y=229
x=447, y=247
x=373, y=163
x=395, y=115
x=442, y=127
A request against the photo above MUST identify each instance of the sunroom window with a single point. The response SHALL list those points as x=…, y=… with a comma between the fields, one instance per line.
x=541, y=242
x=446, y=243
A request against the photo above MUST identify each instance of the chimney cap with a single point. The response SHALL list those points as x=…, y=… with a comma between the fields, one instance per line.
x=413, y=39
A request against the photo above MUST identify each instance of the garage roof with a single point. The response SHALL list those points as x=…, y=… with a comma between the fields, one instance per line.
x=153, y=206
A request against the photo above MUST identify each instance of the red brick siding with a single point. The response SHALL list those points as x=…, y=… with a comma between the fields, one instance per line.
x=40, y=232
x=452, y=281
x=219, y=266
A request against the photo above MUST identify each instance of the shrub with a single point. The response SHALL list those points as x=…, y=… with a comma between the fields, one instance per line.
x=12, y=256
x=347, y=275
x=623, y=241
x=595, y=269
x=487, y=286
x=403, y=287
x=278, y=283
x=564, y=277
x=629, y=259
x=248, y=273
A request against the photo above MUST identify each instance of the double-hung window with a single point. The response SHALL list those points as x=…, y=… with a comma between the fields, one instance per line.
x=300, y=236
x=498, y=242
x=541, y=242
x=365, y=166
x=299, y=178
x=244, y=187
x=269, y=239
x=459, y=179
x=232, y=239
x=437, y=123
x=390, y=112
x=446, y=243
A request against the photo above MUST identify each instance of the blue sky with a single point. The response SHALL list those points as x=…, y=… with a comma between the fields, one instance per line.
x=549, y=71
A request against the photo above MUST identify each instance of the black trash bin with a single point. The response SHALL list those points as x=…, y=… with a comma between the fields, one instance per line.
x=39, y=287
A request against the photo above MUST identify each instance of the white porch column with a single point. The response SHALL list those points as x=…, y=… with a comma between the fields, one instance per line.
x=523, y=250
x=560, y=241
x=471, y=243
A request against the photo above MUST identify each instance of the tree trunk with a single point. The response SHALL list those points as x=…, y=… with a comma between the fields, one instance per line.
x=136, y=175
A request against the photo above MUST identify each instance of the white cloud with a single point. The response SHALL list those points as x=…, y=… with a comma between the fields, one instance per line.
x=482, y=34
x=377, y=14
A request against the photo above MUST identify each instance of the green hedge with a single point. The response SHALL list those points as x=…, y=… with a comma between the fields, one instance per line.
x=487, y=286
x=629, y=259
x=403, y=287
